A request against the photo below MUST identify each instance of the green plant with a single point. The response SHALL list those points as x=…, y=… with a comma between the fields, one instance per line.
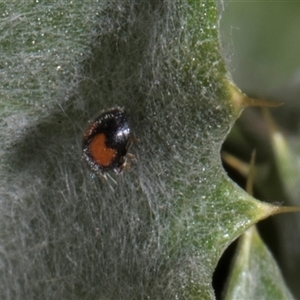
x=158, y=231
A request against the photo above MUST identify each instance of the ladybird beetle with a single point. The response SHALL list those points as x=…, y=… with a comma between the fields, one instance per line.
x=106, y=141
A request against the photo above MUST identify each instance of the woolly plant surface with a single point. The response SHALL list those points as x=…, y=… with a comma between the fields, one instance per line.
x=157, y=230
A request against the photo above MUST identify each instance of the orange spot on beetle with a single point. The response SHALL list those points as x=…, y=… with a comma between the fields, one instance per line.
x=101, y=154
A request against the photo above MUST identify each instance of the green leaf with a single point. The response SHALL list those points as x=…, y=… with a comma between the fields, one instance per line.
x=286, y=161
x=255, y=52
x=155, y=231
x=287, y=175
x=255, y=274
